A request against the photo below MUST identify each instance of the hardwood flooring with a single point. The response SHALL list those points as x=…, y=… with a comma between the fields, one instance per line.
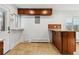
x=34, y=49
x=37, y=49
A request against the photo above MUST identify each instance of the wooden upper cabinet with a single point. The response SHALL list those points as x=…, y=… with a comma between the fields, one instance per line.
x=43, y=12
x=54, y=26
x=20, y=11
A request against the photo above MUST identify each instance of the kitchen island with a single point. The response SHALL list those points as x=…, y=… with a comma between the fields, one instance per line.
x=64, y=40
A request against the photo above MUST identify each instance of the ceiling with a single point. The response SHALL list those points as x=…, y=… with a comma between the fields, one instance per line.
x=54, y=6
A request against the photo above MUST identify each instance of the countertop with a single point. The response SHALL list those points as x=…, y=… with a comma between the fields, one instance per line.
x=17, y=29
x=1, y=39
x=64, y=30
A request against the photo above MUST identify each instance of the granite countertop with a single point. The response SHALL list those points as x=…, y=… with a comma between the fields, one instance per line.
x=64, y=30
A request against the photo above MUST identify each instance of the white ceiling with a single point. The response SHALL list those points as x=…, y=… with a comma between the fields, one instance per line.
x=54, y=6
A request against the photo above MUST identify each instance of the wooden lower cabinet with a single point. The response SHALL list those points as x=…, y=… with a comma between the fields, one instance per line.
x=71, y=42
x=57, y=40
x=1, y=47
x=65, y=42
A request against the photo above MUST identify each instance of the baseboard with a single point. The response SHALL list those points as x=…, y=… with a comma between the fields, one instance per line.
x=77, y=41
x=7, y=52
x=39, y=40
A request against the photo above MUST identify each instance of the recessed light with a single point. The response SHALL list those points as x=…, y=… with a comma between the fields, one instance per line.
x=45, y=12
x=31, y=12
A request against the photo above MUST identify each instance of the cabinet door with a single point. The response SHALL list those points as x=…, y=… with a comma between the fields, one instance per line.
x=53, y=37
x=5, y=36
x=65, y=45
x=71, y=42
x=58, y=41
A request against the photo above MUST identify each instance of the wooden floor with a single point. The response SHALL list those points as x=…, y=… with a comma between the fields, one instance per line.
x=34, y=49
x=37, y=49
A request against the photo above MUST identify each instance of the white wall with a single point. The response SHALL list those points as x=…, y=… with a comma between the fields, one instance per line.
x=15, y=38
x=34, y=32
x=39, y=32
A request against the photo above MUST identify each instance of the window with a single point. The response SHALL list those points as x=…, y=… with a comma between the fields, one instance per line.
x=75, y=20
x=72, y=23
x=15, y=21
x=2, y=21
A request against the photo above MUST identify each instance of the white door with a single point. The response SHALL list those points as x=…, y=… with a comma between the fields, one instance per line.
x=5, y=36
x=3, y=31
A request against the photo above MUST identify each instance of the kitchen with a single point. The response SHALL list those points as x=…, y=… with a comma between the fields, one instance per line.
x=34, y=28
